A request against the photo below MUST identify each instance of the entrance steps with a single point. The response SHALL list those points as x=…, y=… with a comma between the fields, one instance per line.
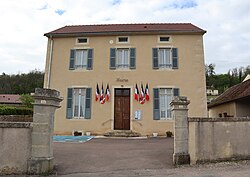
x=122, y=133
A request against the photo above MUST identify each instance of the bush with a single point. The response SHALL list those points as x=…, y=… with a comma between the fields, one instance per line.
x=169, y=134
x=27, y=100
x=11, y=110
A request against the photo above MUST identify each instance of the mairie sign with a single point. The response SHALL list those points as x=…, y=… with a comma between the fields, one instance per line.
x=121, y=80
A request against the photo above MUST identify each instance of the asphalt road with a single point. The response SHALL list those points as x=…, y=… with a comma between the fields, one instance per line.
x=132, y=158
x=107, y=155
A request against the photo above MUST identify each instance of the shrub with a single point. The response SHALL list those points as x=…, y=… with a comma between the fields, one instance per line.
x=27, y=100
x=11, y=110
x=169, y=134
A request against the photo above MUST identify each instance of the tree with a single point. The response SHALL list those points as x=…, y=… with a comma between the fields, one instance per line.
x=210, y=75
x=210, y=69
x=21, y=83
x=223, y=81
x=27, y=100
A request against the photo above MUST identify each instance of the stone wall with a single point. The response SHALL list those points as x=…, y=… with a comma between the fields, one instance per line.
x=15, y=147
x=219, y=139
x=26, y=147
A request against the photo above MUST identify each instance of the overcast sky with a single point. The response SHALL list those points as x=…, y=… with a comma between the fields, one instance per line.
x=23, y=23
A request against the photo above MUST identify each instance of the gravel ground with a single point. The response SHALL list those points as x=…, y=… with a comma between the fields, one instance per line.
x=226, y=169
x=223, y=169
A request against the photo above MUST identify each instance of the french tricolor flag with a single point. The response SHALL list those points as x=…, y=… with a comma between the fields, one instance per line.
x=97, y=93
x=142, y=95
x=147, y=92
x=136, y=93
x=107, y=94
x=102, y=97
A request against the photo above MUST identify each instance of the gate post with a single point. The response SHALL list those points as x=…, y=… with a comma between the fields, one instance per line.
x=179, y=107
x=45, y=105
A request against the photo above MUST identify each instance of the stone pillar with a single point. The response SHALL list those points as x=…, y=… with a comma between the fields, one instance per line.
x=180, y=115
x=45, y=105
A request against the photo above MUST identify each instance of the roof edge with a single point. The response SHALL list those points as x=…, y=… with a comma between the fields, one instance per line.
x=195, y=30
x=125, y=32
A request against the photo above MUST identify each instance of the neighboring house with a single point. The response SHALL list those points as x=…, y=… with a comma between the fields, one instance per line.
x=234, y=102
x=212, y=92
x=10, y=99
x=168, y=57
x=211, y=95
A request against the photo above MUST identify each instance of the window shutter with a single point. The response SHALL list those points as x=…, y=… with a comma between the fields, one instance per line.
x=155, y=58
x=72, y=59
x=88, y=104
x=176, y=92
x=112, y=58
x=156, y=108
x=175, y=58
x=90, y=59
x=132, y=58
x=69, y=111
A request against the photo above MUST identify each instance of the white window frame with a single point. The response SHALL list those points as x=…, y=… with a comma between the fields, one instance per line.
x=81, y=95
x=168, y=108
x=123, y=58
x=126, y=42
x=80, y=43
x=84, y=61
x=161, y=64
x=169, y=41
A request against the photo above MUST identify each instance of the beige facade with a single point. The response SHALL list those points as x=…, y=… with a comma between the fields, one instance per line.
x=220, y=110
x=239, y=108
x=189, y=78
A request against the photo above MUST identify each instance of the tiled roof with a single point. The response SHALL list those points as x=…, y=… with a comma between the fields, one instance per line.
x=9, y=98
x=241, y=90
x=127, y=28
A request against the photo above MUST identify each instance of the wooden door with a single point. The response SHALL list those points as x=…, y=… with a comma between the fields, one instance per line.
x=122, y=109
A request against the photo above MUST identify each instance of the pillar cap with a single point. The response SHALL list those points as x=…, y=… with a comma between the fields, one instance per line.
x=43, y=93
x=46, y=92
x=180, y=100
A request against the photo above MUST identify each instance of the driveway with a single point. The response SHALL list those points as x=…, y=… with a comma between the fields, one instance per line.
x=132, y=158
x=99, y=156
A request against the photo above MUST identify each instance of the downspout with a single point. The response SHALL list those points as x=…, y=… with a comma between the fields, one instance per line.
x=50, y=62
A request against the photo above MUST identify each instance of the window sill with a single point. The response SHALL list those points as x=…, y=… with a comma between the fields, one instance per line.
x=123, y=69
x=78, y=119
x=165, y=69
x=165, y=120
x=81, y=70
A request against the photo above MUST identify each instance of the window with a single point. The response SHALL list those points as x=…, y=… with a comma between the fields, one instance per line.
x=82, y=40
x=162, y=98
x=81, y=59
x=122, y=58
x=164, y=38
x=78, y=103
x=79, y=98
x=165, y=58
x=122, y=40
x=166, y=96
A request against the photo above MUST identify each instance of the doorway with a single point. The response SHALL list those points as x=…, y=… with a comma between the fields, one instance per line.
x=122, y=109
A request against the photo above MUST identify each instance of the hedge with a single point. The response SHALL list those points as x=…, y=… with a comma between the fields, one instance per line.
x=10, y=110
